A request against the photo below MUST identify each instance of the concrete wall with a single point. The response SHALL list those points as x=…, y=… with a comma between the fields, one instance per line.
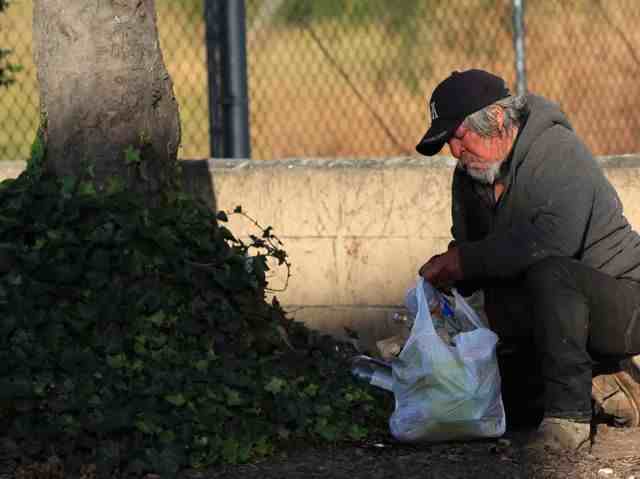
x=356, y=231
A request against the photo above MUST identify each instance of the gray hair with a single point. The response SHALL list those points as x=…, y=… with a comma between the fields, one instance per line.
x=484, y=123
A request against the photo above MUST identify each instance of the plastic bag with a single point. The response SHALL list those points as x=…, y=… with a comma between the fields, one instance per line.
x=446, y=392
x=445, y=320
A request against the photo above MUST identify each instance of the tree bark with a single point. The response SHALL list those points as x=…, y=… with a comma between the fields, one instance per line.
x=104, y=89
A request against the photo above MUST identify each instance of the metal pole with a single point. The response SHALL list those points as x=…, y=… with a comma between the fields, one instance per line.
x=213, y=38
x=235, y=102
x=518, y=44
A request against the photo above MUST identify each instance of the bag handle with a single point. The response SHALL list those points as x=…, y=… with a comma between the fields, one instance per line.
x=423, y=316
x=426, y=322
x=469, y=313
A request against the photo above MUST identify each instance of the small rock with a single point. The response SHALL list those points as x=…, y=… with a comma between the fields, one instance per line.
x=604, y=472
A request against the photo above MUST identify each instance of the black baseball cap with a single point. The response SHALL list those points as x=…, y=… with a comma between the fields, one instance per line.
x=455, y=98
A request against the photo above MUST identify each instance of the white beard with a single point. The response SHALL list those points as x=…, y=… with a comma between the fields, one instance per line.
x=488, y=176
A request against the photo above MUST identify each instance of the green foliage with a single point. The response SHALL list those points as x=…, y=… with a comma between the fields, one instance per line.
x=132, y=156
x=35, y=164
x=140, y=340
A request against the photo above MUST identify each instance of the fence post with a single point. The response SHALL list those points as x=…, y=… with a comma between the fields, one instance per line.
x=213, y=41
x=518, y=44
x=227, y=65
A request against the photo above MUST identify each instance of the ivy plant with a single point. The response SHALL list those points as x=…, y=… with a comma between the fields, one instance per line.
x=138, y=339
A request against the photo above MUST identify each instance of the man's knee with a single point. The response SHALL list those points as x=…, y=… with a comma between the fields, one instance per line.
x=508, y=308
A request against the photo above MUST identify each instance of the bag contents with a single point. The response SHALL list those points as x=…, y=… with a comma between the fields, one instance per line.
x=375, y=372
x=445, y=322
x=389, y=348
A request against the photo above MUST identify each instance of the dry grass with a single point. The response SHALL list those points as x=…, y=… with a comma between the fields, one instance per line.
x=347, y=94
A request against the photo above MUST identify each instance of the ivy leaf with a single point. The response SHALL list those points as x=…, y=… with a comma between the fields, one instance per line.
x=115, y=184
x=358, y=432
x=87, y=188
x=68, y=185
x=202, y=365
x=157, y=318
x=132, y=156
x=326, y=430
x=146, y=426
x=167, y=436
x=176, y=399
x=117, y=361
x=311, y=390
x=263, y=447
x=230, y=450
x=324, y=410
x=275, y=386
x=233, y=397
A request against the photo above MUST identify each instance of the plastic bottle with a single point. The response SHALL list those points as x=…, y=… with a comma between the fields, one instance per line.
x=442, y=314
x=436, y=301
x=374, y=372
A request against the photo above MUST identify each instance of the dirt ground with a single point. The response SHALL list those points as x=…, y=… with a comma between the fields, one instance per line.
x=614, y=455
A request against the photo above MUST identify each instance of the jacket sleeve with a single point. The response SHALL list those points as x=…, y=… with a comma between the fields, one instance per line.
x=559, y=201
x=459, y=227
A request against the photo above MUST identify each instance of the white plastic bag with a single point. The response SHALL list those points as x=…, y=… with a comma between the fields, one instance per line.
x=447, y=392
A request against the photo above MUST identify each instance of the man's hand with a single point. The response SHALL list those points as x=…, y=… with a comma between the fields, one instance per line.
x=444, y=269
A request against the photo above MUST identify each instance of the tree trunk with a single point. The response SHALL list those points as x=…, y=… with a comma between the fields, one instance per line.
x=105, y=90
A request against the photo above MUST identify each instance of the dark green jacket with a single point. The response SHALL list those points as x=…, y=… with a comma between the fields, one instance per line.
x=557, y=202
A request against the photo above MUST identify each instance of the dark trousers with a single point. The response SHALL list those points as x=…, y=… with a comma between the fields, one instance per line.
x=574, y=317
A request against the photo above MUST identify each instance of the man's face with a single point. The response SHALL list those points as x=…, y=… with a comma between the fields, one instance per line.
x=478, y=155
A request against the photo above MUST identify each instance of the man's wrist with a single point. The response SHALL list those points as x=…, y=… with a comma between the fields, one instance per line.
x=470, y=260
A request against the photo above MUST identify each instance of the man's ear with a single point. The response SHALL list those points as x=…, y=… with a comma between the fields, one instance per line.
x=498, y=115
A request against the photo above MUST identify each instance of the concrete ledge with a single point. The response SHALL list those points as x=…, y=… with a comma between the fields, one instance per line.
x=356, y=230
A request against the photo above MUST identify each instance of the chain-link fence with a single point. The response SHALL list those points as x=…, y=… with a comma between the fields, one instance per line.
x=182, y=37
x=351, y=77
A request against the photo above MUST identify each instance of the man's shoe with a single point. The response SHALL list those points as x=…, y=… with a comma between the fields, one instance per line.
x=617, y=395
x=560, y=434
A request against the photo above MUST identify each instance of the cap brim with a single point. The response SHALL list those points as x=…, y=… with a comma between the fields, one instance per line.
x=436, y=136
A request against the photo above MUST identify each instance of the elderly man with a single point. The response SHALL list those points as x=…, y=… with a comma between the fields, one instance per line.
x=540, y=229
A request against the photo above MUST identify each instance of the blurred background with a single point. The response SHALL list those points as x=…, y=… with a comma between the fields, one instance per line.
x=351, y=78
